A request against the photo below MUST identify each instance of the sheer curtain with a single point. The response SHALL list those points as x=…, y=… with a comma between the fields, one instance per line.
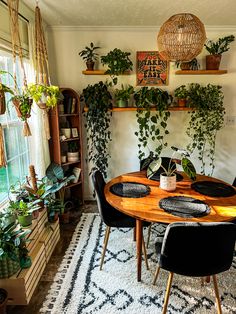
x=39, y=146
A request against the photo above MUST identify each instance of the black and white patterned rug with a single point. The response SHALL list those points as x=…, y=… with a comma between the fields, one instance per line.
x=80, y=287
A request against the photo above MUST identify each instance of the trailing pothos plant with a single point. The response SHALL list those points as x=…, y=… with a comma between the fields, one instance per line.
x=152, y=124
x=205, y=121
x=98, y=100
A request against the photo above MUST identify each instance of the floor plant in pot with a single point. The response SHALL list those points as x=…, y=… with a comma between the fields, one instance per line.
x=152, y=116
x=168, y=177
x=98, y=100
x=215, y=49
x=90, y=55
x=118, y=62
x=206, y=120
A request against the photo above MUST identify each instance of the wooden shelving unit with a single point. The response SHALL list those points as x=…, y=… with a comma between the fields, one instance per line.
x=200, y=72
x=60, y=147
x=152, y=109
x=100, y=72
x=43, y=239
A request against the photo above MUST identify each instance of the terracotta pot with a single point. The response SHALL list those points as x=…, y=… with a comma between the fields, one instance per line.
x=3, y=300
x=182, y=102
x=2, y=102
x=90, y=65
x=168, y=183
x=213, y=62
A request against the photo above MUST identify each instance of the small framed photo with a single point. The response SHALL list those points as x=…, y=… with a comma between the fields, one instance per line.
x=74, y=132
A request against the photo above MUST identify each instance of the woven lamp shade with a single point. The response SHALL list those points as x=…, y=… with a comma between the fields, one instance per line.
x=181, y=37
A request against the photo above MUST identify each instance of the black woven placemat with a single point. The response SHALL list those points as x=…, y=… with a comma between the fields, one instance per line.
x=183, y=206
x=211, y=188
x=130, y=189
x=156, y=177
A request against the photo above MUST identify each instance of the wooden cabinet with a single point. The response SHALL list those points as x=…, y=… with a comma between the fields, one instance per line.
x=66, y=141
x=43, y=239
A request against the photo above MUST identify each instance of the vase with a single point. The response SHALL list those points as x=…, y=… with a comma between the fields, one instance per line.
x=213, y=62
x=168, y=183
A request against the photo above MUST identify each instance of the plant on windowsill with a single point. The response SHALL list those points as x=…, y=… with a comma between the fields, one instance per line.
x=98, y=100
x=215, y=49
x=168, y=177
x=89, y=55
x=13, y=252
x=152, y=124
x=206, y=120
x=118, y=62
x=122, y=96
x=181, y=93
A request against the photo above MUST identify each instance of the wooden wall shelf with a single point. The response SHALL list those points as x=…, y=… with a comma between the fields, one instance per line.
x=101, y=72
x=200, y=72
x=152, y=109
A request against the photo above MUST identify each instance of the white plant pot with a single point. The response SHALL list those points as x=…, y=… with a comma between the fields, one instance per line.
x=168, y=183
x=73, y=157
x=76, y=172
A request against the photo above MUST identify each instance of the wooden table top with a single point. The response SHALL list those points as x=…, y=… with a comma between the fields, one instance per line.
x=147, y=208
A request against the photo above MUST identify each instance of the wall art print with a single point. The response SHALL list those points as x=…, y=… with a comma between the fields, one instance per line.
x=152, y=69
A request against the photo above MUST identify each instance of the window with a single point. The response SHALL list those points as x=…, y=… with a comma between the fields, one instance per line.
x=16, y=146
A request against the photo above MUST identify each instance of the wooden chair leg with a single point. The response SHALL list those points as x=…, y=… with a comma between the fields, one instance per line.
x=156, y=275
x=219, y=311
x=167, y=293
x=149, y=234
x=145, y=253
x=134, y=235
x=106, y=238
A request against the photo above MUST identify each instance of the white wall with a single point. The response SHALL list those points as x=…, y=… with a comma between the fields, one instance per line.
x=66, y=67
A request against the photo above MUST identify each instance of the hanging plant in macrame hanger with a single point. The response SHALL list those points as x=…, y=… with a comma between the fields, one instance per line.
x=20, y=100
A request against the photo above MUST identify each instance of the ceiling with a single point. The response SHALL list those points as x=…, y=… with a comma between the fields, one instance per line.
x=132, y=12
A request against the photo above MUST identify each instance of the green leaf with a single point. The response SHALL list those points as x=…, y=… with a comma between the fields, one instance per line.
x=153, y=167
x=189, y=168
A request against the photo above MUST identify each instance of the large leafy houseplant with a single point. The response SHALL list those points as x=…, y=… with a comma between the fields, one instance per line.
x=98, y=100
x=152, y=123
x=123, y=95
x=118, y=62
x=206, y=120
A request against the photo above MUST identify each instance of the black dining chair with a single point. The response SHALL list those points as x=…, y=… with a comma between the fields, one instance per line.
x=196, y=250
x=111, y=216
x=234, y=183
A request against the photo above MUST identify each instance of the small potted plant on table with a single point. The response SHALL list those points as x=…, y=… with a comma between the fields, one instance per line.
x=90, y=56
x=168, y=177
x=215, y=49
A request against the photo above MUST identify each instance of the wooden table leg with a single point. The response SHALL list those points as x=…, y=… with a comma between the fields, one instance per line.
x=139, y=237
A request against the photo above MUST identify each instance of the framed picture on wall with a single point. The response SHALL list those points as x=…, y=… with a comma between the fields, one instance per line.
x=151, y=69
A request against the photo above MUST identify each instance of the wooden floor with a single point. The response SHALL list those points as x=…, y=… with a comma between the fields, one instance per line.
x=46, y=280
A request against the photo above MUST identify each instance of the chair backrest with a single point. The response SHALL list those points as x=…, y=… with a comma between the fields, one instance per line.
x=198, y=249
x=234, y=183
x=105, y=209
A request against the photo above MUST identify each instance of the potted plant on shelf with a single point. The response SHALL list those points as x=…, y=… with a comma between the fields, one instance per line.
x=118, y=62
x=73, y=152
x=97, y=99
x=90, y=56
x=152, y=116
x=168, y=177
x=215, y=49
x=181, y=93
x=13, y=252
x=123, y=95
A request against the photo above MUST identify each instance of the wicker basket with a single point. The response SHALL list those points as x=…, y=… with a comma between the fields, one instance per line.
x=8, y=267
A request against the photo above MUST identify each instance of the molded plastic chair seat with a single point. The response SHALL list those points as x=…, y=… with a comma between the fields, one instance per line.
x=196, y=250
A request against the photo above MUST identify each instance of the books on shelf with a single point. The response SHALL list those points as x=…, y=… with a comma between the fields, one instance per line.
x=70, y=105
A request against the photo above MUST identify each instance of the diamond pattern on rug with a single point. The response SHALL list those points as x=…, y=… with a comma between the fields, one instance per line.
x=80, y=287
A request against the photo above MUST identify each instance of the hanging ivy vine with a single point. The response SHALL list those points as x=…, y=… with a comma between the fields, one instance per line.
x=205, y=121
x=98, y=101
x=152, y=125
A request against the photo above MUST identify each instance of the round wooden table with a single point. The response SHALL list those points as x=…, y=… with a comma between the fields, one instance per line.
x=147, y=208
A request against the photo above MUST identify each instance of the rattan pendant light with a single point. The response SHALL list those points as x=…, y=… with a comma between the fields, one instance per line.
x=181, y=37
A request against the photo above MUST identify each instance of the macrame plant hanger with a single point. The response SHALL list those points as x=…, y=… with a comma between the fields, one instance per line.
x=41, y=63
x=13, y=6
x=2, y=152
